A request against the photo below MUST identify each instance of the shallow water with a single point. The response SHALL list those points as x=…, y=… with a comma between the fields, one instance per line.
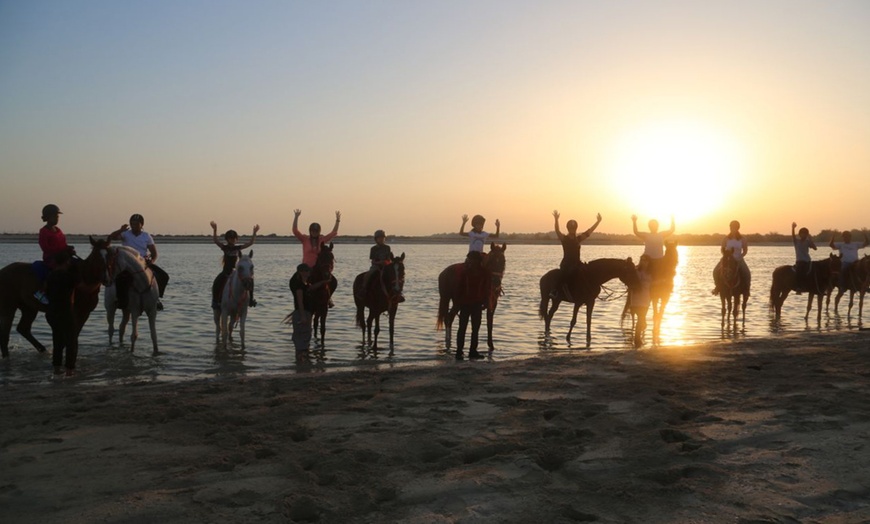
x=186, y=332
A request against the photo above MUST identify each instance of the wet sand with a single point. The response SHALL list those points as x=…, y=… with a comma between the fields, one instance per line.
x=773, y=430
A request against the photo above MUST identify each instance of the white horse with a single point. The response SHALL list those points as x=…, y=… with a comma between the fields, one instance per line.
x=143, y=294
x=234, y=301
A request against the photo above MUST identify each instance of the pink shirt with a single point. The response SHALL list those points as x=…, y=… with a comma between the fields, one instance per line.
x=309, y=252
x=52, y=242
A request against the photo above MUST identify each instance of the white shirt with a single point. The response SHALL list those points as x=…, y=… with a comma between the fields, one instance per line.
x=737, y=246
x=476, y=240
x=849, y=250
x=654, y=245
x=138, y=242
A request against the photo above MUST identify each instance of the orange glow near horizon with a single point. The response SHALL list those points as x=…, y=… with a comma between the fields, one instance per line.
x=675, y=168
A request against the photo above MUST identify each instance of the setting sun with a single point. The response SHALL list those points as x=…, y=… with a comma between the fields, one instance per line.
x=677, y=168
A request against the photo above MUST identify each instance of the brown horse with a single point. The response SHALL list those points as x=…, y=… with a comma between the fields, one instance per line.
x=383, y=294
x=18, y=283
x=584, y=289
x=731, y=286
x=854, y=280
x=461, y=286
x=322, y=270
x=818, y=283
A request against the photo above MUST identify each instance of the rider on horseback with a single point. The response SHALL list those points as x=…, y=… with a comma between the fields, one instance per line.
x=477, y=238
x=571, y=264
x=849, y=253
x=52, y=241
x=653, y=242
x=735, y=244
x=232, y=252
x=803, y=242
x=381, y=256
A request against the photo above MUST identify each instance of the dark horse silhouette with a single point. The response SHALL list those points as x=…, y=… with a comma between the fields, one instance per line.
x=817, y=283
x=585, y=288
x=855, y=280
x=730, y=286
x=465, y=290
x=18, y=283
x=321, y=271
x=383, y=294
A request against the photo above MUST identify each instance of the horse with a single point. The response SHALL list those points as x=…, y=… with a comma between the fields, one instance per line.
x=855, y=280
x=382, y=295
x=730, y=286
x=461, y=287
x=585, y=288
x=321, y=271
x=143, y=293
x=819, y=280
x=18, y=283
x=662, y=285
x=235, y=296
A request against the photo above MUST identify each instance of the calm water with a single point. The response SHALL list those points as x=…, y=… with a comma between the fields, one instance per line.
x=186, y=329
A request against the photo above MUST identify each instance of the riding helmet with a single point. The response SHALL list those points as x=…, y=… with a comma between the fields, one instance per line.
x=380, y=234
x=50, y=210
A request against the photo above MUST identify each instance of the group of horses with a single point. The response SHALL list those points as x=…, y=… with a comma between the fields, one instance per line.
x=465, y=289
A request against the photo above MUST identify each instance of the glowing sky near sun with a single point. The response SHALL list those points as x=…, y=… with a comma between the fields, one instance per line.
x=405, y=115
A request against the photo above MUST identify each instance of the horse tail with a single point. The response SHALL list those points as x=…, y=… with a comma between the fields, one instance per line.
x=545, y=298
x=359, y=299
x=360, y=320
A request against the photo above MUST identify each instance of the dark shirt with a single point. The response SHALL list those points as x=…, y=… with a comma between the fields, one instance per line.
x=231, y=256
x=379, y=253
x=570, y=252
x=296, y=283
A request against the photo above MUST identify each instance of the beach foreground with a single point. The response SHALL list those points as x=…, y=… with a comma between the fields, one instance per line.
x=774, y=430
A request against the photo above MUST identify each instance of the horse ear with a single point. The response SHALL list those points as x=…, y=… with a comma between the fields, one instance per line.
x=330, y=246
x=402, y=258
x=251, y=254
x=504, y=247
x=93, y=242
x=629, y=260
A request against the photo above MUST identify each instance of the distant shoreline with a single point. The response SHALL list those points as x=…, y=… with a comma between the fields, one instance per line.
x=533, y=239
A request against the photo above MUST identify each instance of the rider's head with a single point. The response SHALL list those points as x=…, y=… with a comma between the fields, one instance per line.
x=477, y=221
x=653, y=226
x=231, y=236
x=572, y=226
x=803, y=233
x=735, y=226
x=137, y=221
x=50, y=211
x=314, y=229
x=380, y=236
x=847, y=236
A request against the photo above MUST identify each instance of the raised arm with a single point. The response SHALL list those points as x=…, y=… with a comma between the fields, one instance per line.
x=832, y=242
x=586, y=234
x=214, y=237
x=115, y=235
x=559, y=234
x=671, y=229
x=634, y=227
x=497, y=229
x=253, y=238
x=296, y=232
x=462, y=227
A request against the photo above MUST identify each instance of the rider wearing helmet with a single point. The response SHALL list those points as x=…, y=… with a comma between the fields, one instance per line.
x=232, y=252
x=52, y=241
x=381, y=255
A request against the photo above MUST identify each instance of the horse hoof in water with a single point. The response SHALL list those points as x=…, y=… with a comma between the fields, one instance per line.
x=474, y=354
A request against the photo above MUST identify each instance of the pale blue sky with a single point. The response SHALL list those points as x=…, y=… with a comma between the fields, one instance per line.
x=405, y=115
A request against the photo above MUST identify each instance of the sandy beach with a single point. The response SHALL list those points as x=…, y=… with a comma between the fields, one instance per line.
x=770, y=430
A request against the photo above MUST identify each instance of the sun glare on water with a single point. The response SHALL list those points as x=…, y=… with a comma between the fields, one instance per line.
x=680, y=169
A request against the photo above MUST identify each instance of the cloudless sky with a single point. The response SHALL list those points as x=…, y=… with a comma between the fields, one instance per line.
x=404, y=115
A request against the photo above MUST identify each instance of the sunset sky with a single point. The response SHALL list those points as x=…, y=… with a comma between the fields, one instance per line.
x=404, y=115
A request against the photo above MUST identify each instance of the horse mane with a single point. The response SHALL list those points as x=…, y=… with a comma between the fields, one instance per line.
x=133, y=254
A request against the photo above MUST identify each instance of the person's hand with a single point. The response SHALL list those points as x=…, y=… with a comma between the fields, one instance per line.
x=497, y=223
x=633, y=218
x=464, y=218
x=598, y=217
x=214, y=225
x=338, y=216
x=125, y=227
x=256, y=228
x=556, y=214
x=296, y=213
x=793, y=225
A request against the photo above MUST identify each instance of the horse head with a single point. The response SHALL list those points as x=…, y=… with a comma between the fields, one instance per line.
x=245, y=270
x=325, y=259
x=396, y=273
x=628, y=274
x=96, y=268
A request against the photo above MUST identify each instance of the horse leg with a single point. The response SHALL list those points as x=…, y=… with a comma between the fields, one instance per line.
x=152, y=326
x=5, y=330
x=377, y=330
x=122, y=327
x=448, y=324
x=573, y=322
x=370, y=320
x=819, y=315
x=217, y=326
x=134, y=318
x=810, y=297
x=24, y=325
x=323, y=328
x=392, y=316
x=589, y=307
x=476, y=314
x=225, y=328
x=549, y=317
x=851, y=301
x=490, y=314
x=243, y=315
